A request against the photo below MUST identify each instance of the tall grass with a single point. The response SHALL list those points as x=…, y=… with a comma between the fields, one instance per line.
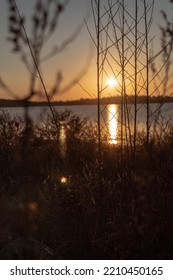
x=133, y=221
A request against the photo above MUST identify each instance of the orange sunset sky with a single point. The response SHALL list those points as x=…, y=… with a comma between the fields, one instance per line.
x=74, y=60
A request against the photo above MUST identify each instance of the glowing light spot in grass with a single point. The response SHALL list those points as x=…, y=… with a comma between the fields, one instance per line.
x=63, y=180
x=33, y=206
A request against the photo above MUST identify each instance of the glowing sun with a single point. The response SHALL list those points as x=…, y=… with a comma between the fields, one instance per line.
x=112, y=82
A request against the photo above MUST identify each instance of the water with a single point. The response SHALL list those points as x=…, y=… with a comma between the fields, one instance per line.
x=110, y=115
x=39, y=113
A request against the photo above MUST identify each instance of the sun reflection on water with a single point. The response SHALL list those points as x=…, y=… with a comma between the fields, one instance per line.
x=62, y=140
x=112, y=123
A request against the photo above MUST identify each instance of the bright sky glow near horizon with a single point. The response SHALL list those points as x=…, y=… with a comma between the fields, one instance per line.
x=71, y=61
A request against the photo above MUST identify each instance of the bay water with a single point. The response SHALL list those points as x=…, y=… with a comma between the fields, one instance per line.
x=109, y=115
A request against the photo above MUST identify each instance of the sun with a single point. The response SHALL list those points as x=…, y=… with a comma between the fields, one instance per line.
x=112, y=82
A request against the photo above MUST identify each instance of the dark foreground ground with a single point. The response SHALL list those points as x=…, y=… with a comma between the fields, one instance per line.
x=57, y=201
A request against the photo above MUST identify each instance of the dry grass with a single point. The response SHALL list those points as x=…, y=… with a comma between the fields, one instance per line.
x=69, y=205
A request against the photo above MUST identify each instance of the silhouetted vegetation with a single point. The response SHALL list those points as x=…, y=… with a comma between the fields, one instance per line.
x=67, y=205
x=66, y=193
x=87, y=101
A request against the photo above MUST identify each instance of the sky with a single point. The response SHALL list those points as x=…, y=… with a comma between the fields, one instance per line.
x=76, y=63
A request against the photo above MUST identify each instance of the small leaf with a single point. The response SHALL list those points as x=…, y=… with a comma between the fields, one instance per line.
x=53, y=25
x=16, y=49
x=39, y=6
x=12, y=18
x=36, y=21
x=60, y=8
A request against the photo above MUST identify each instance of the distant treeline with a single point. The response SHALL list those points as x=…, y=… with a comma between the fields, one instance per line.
x=86, y=101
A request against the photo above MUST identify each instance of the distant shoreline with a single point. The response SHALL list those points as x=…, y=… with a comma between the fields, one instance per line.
x=104, y=101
